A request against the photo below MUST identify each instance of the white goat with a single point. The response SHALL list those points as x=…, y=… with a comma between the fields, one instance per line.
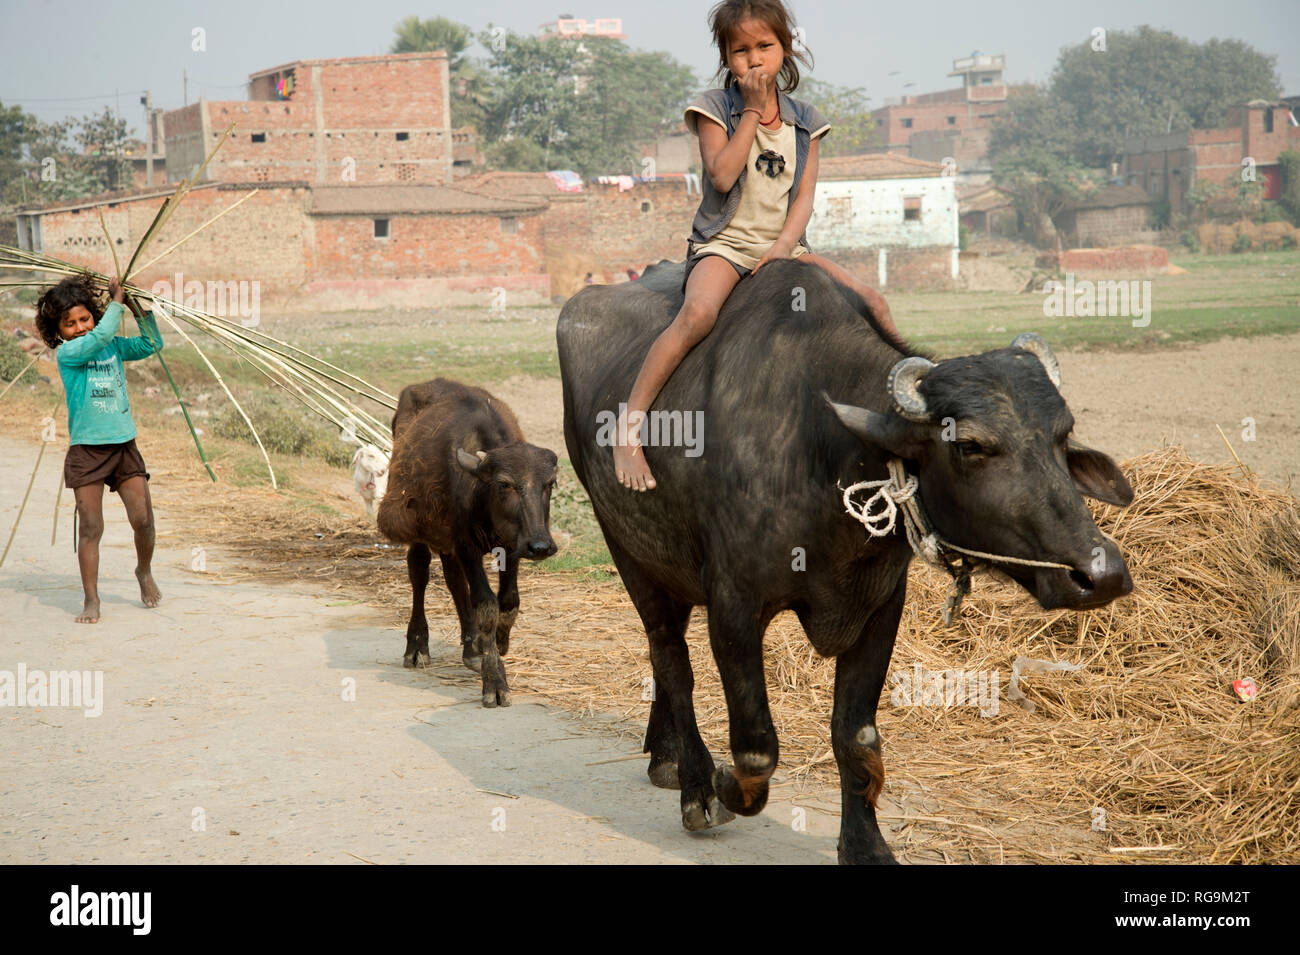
x=370, y=475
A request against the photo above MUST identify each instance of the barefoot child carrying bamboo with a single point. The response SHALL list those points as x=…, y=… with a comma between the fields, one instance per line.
x=759, y=151
x=101, y=430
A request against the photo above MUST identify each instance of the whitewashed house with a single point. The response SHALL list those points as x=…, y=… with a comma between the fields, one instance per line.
x=890, y=212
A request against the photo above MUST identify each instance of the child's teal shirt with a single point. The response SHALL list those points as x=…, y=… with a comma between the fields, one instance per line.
x=94, y=378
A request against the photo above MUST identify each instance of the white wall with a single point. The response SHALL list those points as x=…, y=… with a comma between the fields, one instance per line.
x=868, y=214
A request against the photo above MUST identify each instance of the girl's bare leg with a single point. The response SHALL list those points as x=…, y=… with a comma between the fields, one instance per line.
x=873, y=299
x=710, y=282
x=90, y=528
x=134, y=492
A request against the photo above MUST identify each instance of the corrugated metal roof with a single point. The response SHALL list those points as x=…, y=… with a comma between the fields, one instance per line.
x=414, y=199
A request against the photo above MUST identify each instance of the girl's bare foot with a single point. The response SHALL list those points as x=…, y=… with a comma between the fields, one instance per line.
x=631, y=467
x=90, y=612
x=629, y=457
x=149, y=592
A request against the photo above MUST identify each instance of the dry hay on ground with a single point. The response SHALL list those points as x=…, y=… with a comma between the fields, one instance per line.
x=1148, y=732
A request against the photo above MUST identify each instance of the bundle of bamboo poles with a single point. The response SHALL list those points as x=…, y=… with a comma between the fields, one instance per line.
x=323, y=388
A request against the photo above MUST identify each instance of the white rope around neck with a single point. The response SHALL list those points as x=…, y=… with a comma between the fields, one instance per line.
x=901, y=488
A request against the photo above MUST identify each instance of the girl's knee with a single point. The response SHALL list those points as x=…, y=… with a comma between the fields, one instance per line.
x=89, y=528
x=141, y=520
x=695, y=321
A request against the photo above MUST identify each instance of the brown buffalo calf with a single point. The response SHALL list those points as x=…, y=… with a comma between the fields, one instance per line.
x=463, y=483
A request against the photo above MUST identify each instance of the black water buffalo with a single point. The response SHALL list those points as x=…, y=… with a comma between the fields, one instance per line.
x=752, y=522
x=463, y=483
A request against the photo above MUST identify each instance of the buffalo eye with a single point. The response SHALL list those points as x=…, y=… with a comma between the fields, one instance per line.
x=505, y=486
x=972, y=449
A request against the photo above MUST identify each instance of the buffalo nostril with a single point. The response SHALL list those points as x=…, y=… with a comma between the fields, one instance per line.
x=540, y=549
x=1082, y=580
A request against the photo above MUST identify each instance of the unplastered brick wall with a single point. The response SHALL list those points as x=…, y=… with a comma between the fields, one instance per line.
x=621, y=230
x=428, y=246
x=1103, y=227
x=77, y=237
x=383, y=119
x=263, y=239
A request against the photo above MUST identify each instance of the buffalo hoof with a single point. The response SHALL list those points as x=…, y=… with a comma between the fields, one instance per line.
x=746, y=797
x=877, y=854
x=472, y=658
x=664, y=775
x=418, y=659
x=698, y=816
x=496, y=692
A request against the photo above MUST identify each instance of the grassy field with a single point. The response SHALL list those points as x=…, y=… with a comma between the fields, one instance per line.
x=1216, y=296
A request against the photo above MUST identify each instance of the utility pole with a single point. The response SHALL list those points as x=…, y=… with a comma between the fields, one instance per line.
x=147, y=102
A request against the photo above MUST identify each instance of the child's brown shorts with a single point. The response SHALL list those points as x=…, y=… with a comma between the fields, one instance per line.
x=109, y=464
x=692, y=260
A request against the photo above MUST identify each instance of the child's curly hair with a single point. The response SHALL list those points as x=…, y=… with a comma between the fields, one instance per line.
x=56, y=301
x=727, y=15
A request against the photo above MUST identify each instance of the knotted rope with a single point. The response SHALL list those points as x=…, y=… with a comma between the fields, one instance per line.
x=879, y=513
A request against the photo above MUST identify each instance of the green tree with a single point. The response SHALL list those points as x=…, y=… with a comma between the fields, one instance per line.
x=1043, y=186
x=847, y=110
x=585, y=104
x=103, y=137
x=14, y=130
x=424, y=36
x=1145, y=82
x=1290, y=161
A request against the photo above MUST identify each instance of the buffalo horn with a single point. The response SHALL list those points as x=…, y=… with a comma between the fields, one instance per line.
x=1043, y=352
x=903, y=381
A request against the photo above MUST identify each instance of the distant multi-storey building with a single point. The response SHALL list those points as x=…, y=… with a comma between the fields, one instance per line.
x=1255, y=134
x=611, y=27
x=951, y=123
x=366, y=119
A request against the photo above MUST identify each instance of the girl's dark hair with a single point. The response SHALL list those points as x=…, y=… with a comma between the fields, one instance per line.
x=727, y=15
x=58, y=300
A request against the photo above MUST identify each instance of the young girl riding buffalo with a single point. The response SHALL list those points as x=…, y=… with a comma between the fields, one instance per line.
x=759, y=150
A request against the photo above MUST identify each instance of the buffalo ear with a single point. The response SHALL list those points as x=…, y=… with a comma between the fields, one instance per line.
x=901, y=438
x=469, y=461
x=1097, y=476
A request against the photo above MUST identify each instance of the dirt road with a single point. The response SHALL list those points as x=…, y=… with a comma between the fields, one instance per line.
x=225, y=735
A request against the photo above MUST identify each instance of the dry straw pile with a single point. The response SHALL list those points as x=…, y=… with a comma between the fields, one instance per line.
x=1217, y=238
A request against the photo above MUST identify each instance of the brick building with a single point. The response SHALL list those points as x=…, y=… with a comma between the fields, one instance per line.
x=360, y=119
x=1169, y=166
x=951, y=123
x=1114, y=215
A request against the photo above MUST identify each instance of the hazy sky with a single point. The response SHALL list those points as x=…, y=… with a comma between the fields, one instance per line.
x=71, y=57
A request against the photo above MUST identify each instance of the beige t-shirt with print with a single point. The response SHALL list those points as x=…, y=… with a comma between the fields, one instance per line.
x=764, y=203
